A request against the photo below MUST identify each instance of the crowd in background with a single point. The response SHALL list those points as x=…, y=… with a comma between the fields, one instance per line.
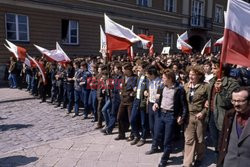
x=161, y=97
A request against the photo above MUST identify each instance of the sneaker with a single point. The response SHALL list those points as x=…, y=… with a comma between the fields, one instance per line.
x=141, y=143
x=107, y=132
x=135, y=141
x=75, y=115
x=130, y=138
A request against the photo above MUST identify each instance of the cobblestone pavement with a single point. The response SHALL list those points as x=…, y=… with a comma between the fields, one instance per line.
x=34, y=134
x=25, y=122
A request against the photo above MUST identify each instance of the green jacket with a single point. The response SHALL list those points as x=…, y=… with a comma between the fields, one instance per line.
x=199, y=98
x=222, y=100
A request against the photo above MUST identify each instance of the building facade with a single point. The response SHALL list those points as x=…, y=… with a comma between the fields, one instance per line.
x=75, y=23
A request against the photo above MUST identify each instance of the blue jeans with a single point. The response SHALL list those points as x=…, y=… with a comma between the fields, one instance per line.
x=28, y=81
x=114, y=110
x=77, y=98
x=93, y=102
x=106, y=110
x=34, y=86
x=164, y=125
x=151, y=118
x=213, y=131
x=12, y=80
x=137, y=113
x=85, y=100
x=70, y=95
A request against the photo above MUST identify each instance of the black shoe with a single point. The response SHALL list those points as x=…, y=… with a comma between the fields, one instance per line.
x=107, y=132
x=75, y=115
x=120, y=137
x=151, y=152
x=135, y=141
x=141, y=143
x=103, y=130
x=161, y=164
x=130, y=138
x=197, y=163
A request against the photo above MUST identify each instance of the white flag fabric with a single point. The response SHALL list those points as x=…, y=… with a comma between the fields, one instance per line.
x=219, y=41
x=207, y=48
x=236, y=43
x=40, y=67
x=103, y=41
x=183, y=46
x=19, y=52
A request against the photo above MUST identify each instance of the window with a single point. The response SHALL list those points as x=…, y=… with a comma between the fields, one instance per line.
x=218, y=14
x=145, y=3
x=169, y=39
x=70, y=32
x=197, y=13
x=17, y=27
x=143, y=31
x=170, y=5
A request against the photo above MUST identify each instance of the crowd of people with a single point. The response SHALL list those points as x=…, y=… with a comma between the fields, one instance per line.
x=158, y=97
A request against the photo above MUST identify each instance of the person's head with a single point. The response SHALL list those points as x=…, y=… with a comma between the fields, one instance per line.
x=127, y=69
x=84, y=66
x=168, y=77
x=241, y=99
x=175, y=67
x=169, y=63
x=118, y=68
x=216, y=68
x=207, y=67
x=196, y=74
x=76, y=64
x=151, y=72
x=141, y=67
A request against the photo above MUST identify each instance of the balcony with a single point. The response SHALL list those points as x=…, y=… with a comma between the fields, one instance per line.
x=200, y=22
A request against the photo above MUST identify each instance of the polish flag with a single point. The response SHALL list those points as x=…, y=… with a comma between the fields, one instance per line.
x=119, y=37
x=29, y=62
x=57, y=55
x=103, y=42
x=150, y=44
x=130, y=49
x=40, y=67
x=219, y=41
x=19, y=52
x=207, y=48
x=184, y=37
x=236, y=44
x=183, y=46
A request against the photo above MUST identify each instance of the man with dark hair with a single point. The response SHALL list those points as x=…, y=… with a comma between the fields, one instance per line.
x=234, y=145
x=172, y=106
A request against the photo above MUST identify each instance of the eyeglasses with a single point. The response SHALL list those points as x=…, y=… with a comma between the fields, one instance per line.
x=238, y=101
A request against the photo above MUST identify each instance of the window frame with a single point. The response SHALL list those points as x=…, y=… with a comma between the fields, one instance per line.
x=17, y=31
x=149, y=3
x=169, y=35
x=69, y=35
x=174, y=6
x=221, y=16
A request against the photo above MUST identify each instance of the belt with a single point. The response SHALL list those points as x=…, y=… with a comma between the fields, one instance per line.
x=165, y=111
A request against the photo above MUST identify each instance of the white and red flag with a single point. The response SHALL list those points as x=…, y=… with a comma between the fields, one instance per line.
x=19, y=52
x=40, y=67
x=119, y=37
x=150, y=45
x=183, y=46
x=207, y=48
x=103, y=42
x=236, y=43
x=29, y=62
x=57, y=54
x=219, y=41
x=184, y=37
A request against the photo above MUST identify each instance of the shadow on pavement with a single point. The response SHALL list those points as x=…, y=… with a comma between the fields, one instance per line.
x=15, y=100
x=14, y=127
x=17, y=160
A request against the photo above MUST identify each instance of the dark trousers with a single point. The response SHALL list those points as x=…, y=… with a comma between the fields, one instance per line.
x=151, y=118
x=70, y=95
x=113, y=114
x=123, y=116
x=77, y=99
x=138, y=120
x=93, y=103
x=85, y=100
x=101, y=102
x=213, y=131
x=164, y=126
x=54, y=92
